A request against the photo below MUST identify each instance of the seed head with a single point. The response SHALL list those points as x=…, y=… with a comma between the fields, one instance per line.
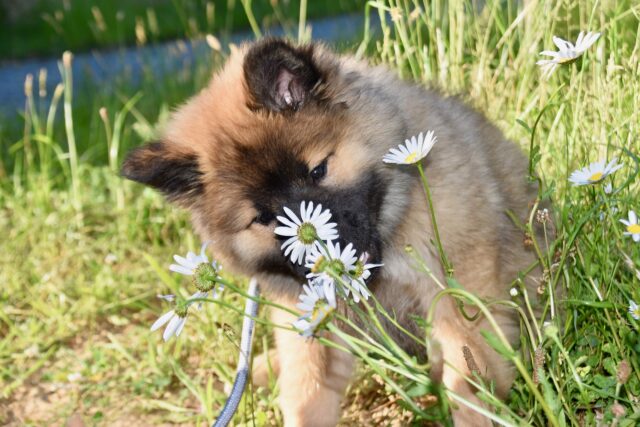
x=67, y=57
x=624, y=372
x=181, y=310
x=28, y=85
x=542, y=216
x=205, y=277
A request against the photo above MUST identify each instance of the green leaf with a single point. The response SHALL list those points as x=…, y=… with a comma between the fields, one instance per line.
x=497, y=345
x=453, y=283
x=524, y=125
x=160, y=271
x=605, y=383
x=417, y=390
x=548, y=392
x=610, y=366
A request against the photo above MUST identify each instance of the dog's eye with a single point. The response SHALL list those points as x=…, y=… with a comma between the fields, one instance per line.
x=319, y=171
x=264, y=218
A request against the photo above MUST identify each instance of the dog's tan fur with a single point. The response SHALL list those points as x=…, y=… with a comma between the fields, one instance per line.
x=476, y=176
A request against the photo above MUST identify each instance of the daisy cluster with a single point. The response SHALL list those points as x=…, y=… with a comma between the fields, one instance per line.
x=311, y=239
x=205, y=277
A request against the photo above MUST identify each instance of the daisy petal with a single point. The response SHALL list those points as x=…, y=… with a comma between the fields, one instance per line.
x=162, y=320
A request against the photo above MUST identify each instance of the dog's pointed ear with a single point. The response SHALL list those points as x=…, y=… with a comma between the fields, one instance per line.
x=175, y=172
x=280, y=76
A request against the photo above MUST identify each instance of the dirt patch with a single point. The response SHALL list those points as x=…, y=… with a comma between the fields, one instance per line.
x=370, y=404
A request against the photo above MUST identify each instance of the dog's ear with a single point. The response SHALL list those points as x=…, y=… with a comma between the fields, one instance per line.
x=175, y=172
x=280, y=76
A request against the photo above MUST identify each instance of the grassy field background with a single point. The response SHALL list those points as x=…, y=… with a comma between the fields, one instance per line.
x=84, y=252
x=46, y=27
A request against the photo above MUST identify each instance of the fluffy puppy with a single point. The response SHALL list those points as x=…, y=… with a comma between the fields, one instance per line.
x=281, y=124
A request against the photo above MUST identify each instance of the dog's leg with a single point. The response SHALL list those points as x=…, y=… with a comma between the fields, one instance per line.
x=266, y=366
x=454, y=334
x=312, y=377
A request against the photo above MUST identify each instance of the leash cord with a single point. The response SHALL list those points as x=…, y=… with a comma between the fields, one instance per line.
x=242, y=372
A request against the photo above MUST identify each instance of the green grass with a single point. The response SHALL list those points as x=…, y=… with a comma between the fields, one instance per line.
x=50, y=27
x=84, y=253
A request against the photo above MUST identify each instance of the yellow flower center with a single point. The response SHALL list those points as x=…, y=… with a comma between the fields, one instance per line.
x=358, y=270
x=566, y=60
x=634, y=228
x=320, y=311
x=307, y=233
x=595, y=177
x=181, y=310
x=411, y=158
x=319, y=265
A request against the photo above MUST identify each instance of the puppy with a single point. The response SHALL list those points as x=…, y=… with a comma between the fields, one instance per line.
x=281, y=124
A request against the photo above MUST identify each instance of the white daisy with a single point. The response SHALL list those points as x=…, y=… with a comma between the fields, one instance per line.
x=316, y=290
x=359, y=276
x=412, y=151
x=188, y=265
x=568, y=52
x=204, y=273
x=634, y=309
x=317, y=302
x=633, y=228
x=175, y=320
x=305, y=231
x=594, y=173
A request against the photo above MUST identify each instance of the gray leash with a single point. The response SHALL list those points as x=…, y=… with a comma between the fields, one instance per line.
x=242, y=372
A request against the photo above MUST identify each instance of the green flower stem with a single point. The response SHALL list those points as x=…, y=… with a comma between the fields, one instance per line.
x=66, y=71
x=374, y=364
x=400, y=365
x=569, y=241
x=527, y=323
x=504, y=341
x=246, y=5
x=241, y=312
x=527, y=303
x=531, y=325
x=543, y=261
x=424, y=267
x=302, y=21
x=443, y=256
x=606, y=200
x=381, y=310
x=532, y=234
x=260, y=300
x=488, y=396
x=374, y=318
x=374, y=345
x=479, y=409
x=378, y=348
x=554, y=337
